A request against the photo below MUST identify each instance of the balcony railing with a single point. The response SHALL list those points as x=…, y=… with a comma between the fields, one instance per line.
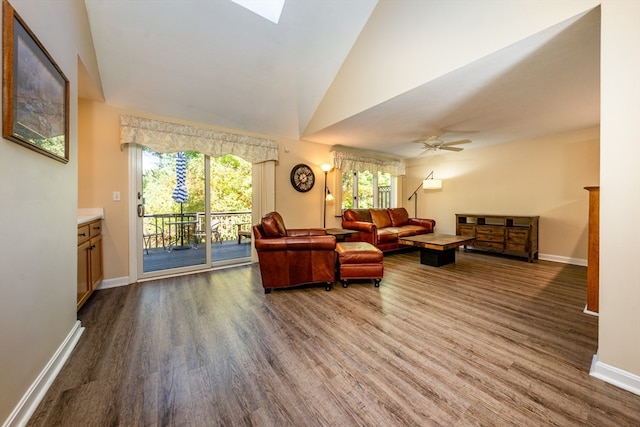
x=384, y=196
x=161, y=230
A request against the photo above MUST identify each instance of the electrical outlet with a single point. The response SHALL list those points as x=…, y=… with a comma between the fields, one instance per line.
x=116, y=196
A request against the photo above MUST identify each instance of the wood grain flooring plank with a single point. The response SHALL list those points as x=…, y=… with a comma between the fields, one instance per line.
x=486, y=341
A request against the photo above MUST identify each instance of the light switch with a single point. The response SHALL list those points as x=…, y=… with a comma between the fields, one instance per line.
x=116, y=196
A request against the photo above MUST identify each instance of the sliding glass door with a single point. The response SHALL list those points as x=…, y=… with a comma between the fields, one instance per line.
x=194, y=212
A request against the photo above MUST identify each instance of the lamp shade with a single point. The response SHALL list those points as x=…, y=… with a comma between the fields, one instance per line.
x=432, y=184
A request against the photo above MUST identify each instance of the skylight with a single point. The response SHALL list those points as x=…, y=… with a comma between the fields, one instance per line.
x=268, y=9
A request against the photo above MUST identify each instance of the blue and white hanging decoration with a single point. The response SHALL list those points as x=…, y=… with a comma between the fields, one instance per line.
x=180, y=193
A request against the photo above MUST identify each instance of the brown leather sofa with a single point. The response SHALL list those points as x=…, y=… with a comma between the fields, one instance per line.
x=382, y=227
x=293, y=257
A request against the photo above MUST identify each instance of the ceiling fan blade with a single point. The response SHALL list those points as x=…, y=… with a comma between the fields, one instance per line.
x=429, y=146
x=462, y=141
x=444, y=147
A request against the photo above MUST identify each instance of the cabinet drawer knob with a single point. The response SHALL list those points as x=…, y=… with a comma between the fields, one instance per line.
x=82, y=234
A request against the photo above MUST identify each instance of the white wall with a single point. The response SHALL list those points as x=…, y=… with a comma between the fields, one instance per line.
x=381, y=46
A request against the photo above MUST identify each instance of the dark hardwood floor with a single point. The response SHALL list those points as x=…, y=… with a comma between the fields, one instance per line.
x=486, y=341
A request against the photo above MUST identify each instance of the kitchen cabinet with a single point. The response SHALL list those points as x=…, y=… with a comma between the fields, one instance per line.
x=90, y=267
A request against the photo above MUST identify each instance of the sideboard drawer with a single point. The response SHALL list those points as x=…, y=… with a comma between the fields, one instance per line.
x=517, y=247
x=493, y=246
x=517, y=235
x=489, y=233
x=466, y=230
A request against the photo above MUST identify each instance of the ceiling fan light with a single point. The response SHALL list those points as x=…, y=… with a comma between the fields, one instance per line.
x=432, y=184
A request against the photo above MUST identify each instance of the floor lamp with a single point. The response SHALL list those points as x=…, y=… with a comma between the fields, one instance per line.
x=327, y=195
x=427, y=184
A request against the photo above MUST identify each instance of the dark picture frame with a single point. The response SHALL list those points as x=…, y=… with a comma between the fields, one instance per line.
x=35, y=92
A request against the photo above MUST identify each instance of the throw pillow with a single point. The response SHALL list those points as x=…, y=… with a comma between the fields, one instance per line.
x=357, y=215
x=399, y=217
x=380, y=218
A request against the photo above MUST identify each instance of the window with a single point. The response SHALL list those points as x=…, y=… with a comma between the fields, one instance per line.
x=367, y=179
x=366, y=190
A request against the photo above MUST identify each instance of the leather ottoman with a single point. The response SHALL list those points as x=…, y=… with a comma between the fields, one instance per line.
x=359, y=260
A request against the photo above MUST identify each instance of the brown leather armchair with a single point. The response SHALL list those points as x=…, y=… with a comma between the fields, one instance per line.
x=293, y=257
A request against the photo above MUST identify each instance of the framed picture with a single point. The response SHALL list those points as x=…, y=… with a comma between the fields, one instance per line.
x=35, y=92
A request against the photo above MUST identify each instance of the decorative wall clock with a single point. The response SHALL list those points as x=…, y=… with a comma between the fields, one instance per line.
x=302, y=178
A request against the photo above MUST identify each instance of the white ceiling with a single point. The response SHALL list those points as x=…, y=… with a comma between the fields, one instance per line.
x=217, y=63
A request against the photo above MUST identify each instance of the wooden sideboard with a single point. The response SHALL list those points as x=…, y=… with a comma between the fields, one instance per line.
x=508, y=234
x=593, y=250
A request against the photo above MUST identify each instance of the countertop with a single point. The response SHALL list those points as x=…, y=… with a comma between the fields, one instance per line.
x=86, y=215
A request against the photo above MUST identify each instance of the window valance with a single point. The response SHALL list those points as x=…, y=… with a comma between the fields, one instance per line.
x=347, y=159
x=166, y=137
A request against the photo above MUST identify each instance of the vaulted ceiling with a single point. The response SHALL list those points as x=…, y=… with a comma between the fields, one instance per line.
x=378, y=75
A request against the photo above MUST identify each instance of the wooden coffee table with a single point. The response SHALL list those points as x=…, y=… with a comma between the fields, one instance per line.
x=436, y=249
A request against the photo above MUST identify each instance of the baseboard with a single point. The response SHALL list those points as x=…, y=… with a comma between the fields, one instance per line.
x=592, y=313
x=113, y=283
x=563, y=259
x=615, y=376
x=34, y=395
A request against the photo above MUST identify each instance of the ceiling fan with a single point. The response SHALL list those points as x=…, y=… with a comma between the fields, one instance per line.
x=434, y=143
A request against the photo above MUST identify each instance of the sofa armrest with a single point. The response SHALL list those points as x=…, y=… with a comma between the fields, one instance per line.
x=366, y=231
x=366, y=227
x=429, y=224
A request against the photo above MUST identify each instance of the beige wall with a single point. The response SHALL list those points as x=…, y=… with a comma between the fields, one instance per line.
x=103, y=169
x=544, y=176
x=301, y=210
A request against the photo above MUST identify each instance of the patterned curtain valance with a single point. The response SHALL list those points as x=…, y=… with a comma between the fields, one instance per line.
x=166, y=137
x=348, y=159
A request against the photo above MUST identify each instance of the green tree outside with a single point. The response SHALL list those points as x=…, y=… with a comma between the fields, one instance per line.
x=230, y=183
x=365, y=188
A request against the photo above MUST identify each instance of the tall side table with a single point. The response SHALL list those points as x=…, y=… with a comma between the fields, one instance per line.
x=340, y=233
